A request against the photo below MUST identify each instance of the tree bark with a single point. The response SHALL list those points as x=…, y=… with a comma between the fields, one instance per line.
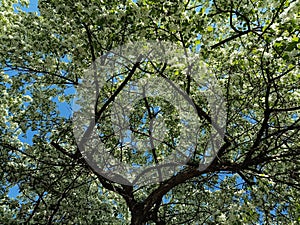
x=138, y=216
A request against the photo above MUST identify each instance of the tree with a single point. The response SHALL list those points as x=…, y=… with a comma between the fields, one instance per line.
x=251, y=48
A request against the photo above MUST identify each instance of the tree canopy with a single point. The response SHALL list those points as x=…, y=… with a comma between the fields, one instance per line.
x=72, y=50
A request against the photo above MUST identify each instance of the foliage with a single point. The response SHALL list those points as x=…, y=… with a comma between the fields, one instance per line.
x=252, y=48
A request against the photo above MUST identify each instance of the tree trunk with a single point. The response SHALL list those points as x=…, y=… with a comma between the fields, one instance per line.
x=138, y=218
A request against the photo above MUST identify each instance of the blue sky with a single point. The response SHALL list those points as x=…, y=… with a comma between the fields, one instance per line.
x=33, y=6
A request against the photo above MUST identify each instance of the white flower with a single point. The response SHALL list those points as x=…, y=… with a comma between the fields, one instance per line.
x=5, y=77
x=274, y=25
x=222, y=217
x=27, y=98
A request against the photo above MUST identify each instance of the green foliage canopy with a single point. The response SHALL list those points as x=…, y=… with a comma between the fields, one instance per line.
x=251, y=47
